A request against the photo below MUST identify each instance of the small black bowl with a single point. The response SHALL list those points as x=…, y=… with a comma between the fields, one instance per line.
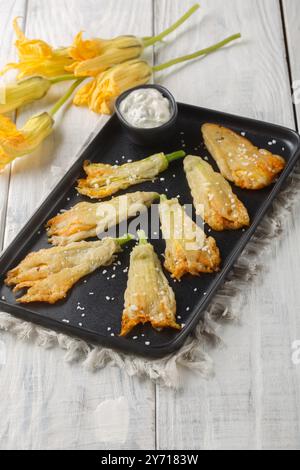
x=153, y=136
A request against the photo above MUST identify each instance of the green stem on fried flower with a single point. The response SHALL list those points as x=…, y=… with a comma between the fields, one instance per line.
x=125, y=239
x=62, y=78
x=65, y=98
x=142, y=237
x=152, y=40
x=175, y=156
x=194, y=55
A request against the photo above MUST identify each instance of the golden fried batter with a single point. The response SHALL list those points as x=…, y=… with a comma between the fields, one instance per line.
x=148, y=297
x=49, y=274
x=239, y=160
x=86, y=220
x=104, y=180
x=188, y=250
x=213, y=197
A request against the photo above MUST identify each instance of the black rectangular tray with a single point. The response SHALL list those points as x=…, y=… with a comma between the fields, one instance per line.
x=102, y=318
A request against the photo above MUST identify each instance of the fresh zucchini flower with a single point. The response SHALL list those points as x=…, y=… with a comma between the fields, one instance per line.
x=104, y=180
x=94, y=56
x=15, y=143
x=188, y=250
x=110, y=53
x=148, y=297
x=99, y=94
x=36, y=57
x=21, y=93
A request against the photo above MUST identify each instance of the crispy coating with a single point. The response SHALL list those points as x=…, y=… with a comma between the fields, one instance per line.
x=188, y=250
x=239, y=160
x=213, y=197
x=49, y=274
x=86, y=220
x=148, y=297
x=104, y=180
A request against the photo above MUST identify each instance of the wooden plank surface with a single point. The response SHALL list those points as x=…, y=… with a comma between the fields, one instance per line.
x=291, y=11
x=49, y=404
x=9, y=10
x=253, y=402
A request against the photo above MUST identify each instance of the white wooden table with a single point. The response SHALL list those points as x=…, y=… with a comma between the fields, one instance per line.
x=254, y=400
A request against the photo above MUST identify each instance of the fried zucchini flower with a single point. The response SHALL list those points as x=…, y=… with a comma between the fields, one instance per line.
x=148, y=297
x=49, y=274
x=86, y=220
x=19, y=94
x=104, y=180
x=36, y=57
x=188, y=250
x=213, y=197
x=239, y=160
x=15, y=143
x=100, y=93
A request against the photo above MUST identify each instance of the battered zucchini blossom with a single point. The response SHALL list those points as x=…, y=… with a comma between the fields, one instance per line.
x=148, y=297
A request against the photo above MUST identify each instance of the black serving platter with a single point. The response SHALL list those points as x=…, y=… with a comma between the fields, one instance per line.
x=102, y=318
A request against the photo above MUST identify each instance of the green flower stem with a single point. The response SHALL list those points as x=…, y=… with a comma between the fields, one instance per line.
x=175, y=156
x=125, y=239
x=206, y=51
x=163, y=198
x=62, y=78
x=142, y=237
x=65, y=98
x=152, y=40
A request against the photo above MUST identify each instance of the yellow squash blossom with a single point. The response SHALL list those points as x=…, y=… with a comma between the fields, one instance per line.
x=19, y=94
x=36, y=57
x=103, y=54
x=15, y=143
x=94, y=56
x=99, y=94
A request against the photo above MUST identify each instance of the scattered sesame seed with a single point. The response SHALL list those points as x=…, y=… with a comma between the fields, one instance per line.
x=162, y=179
x=147, y=343
x=113, y=276
x=83, y=315
x=243, y=134
x=109, y=328
x=206, y=158
x=104, y=272
x=182, y=325
x=135, y=337
x=3, y=298
x=91, y=293
x=196, y=289
x=274, y=141
x=66, y=321
x=112, y=334
x=188, y=309
x=107, y=297
x=129, y=161
x=174, y=176
x=80, y=324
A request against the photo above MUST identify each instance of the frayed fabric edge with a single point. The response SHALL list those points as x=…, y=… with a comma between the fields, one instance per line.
x=193, y=355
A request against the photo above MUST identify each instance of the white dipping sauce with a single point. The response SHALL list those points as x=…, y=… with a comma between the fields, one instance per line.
x=145, y=108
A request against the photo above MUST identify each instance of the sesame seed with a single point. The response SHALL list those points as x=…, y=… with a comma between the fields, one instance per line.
x=135, y=337
x=80, y=324
x=112, y=334
x=108, y=328
x=107, y=297
x=147, y=343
